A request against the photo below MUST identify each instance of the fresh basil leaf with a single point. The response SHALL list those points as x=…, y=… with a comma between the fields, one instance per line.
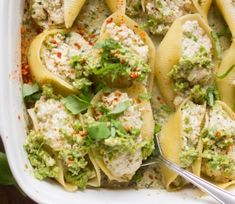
x=98, y=131
x=6, y=177
x=118, y=126
x=226, y=73
x=75, y=104
x=28, y=89
x=218, y=49
x=86, y=95
x=120, y=107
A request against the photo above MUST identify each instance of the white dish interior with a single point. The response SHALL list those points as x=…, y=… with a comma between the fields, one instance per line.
x=13, y=131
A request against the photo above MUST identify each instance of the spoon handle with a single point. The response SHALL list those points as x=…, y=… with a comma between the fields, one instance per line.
x=217, y=193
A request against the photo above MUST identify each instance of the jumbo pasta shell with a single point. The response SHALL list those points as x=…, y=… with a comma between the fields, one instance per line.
x=169, y=53
x=231, y=114
x=227, y=8
x=71, y=11
x=120, y=18
x=171, y=143
x=115, y=5
x=147, y=129
x=226, y=84
x=94, y=182
x=60, y=179
x=37, y=69
x=202, y=7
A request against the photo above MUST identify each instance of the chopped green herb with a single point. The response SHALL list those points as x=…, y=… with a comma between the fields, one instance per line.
x=157, y=128
x=47, y=91
x=217, y=45
x=120, y=107
x=144, y=96
x=166, y=108
x=30, y=89
x=76, y=61
x=226, y=73
x=212, y=95
x=75, y=104
x=98, y=131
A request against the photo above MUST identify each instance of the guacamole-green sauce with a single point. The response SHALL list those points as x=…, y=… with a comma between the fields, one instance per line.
x=43, y=162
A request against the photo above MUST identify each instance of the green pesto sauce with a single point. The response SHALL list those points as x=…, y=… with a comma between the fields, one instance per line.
x=181, y=72
x=188, y=157
x=42, y=161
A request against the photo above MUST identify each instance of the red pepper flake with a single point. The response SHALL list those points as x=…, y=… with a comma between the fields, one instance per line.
x=218, y=134
x=134, y=75
x=53, y=41
x=39, y=30
x=59, y=54
x=26, y=73
x=90, y=43
x=151, y=176
x=77, y=45
x=110, y=20
x=83, y=133
x=92, y=35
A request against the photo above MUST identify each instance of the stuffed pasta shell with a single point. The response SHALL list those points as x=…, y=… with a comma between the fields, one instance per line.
x=56, y=145
x=225, y=80
x=185, y=61
x=218, y=159
x=115, y=5
x=181, y=143
x=160, y=14
x=55, y=13
x=227, y=8
x=56, y=57
x=121, y=127
x=123, y=54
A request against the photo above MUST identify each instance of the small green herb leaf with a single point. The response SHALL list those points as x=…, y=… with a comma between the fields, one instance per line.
x=98, y=131
x=29, y=90
x=166, y=108
x=6, y=177
x=75, y=104
x=211, y=95
x=157, y=128
x=144, y=96
x=75, y=61
x=226, y=73
x=217, y=45
x=120, y=107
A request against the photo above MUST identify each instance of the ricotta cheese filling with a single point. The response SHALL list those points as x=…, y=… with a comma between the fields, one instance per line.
x=131, y=117
x=124, y=165
x=162, y=13
x=219, y=140
x=58, y=53
x=47, y=12
x=192, y=122
x=122, y=152
x=193, y=73
x=128, y=38
x=54, y=122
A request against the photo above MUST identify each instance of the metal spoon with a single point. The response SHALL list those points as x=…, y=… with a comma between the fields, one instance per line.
x=217, y=193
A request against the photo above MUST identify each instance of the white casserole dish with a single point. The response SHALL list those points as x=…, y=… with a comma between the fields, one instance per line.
x=13, y=132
